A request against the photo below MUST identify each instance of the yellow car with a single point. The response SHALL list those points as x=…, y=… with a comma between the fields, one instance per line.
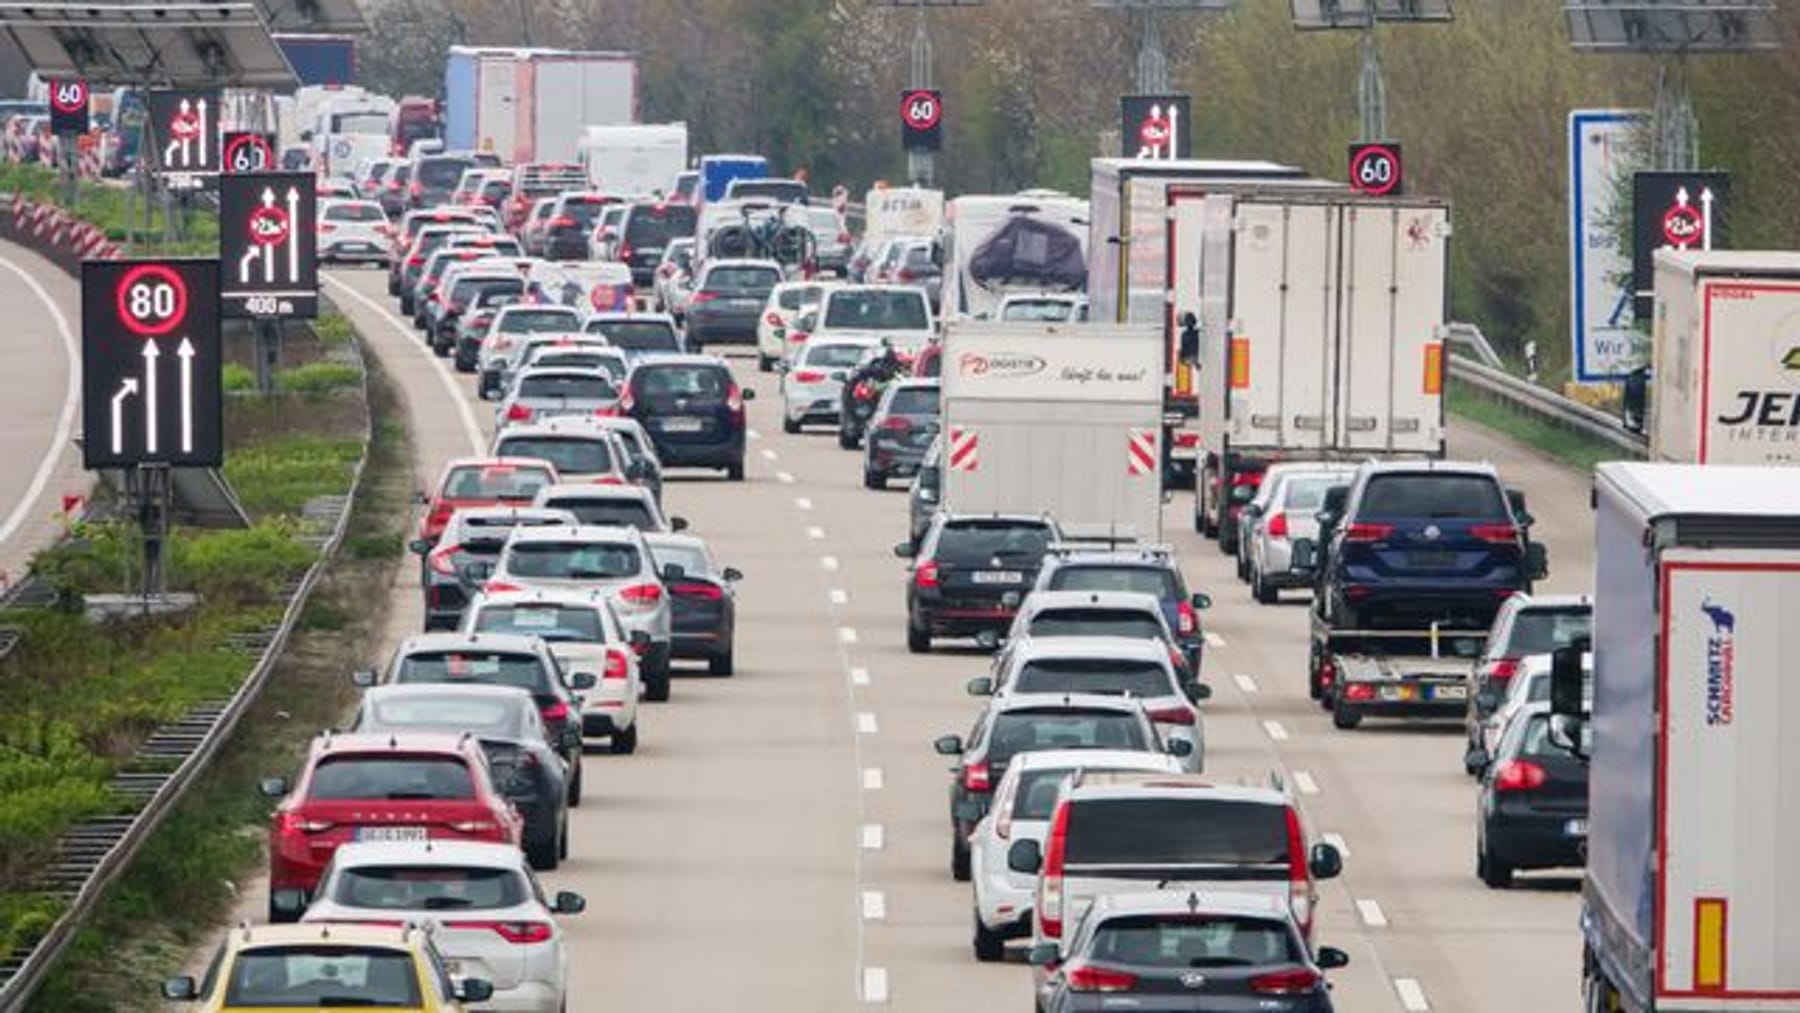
x=272, y=968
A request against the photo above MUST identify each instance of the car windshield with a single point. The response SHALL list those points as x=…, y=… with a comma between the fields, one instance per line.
x=1185, y=940
x=573, y=560
x=428, y=888
x=391, y=776
x=567, y=387
x=1440, y=496
x=656, y=224
x=547, y=620
x=504, y=482
x=354, y=213
x=748, y=280
x=314, y=976
x=572, y=455
x=877, y=310
x=913, y=401
x=682, y=381
x=1154, y=581
x=1306, y=493
x=977, y=543
x=453, y=711
x=1542, y=630
x=440, y=173
x=637, y=335
x=609, y=512
x=485, y=668
x=1096, y=622
x=1178, y=831
x=834, y=356
x=1118, y=676
x=1023, y=731
x=545, y=321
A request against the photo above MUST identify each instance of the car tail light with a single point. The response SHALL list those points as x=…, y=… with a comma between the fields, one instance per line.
x=896, y=423
x=734, y=401
x=703, y=591
x=1495, y=534
x=642, y=596
x=1277, y=526
x=626, y=403
x=666, y=270
x=624, y=251
x=700, y=297
x=1359, y=692
x=326, y=227
x=556, y=712
x=518, y=413
x=1501, y=670
x=1518, y=775
x=1186, y=622
x=560, y=222
x=977, y=777
x=926, y=575
x=904, y=274
x=1086, y=978
x=474, y=826
x=442, y=560
x=798, y=337
x=1297, y=981
x=298, y=823
x=1327, y=672
x=1364, y=532
x=1179, y=714
x=394, y=185
x=437, y=518
x=415, y=261
x=773, y=319
x=809, y=376
x=415, y=189
x=617, y=665
x=1300, y=895
x=513, y=932
x=1050, y=882
x=844, y=239
x=499, y=587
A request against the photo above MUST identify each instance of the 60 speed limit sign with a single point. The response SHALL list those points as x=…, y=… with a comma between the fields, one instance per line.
x=68, y=105
x=921, y=119
x=1375, y=169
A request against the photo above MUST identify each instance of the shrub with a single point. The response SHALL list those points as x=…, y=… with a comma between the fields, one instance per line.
x=318, y=378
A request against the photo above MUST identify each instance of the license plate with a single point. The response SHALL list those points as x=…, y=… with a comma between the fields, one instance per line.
x=997, y=577
x=390, y=833
x=1450, y=693
x=682, y=425
x=1399, y=693
x=1576, y=827
x=1431, y=560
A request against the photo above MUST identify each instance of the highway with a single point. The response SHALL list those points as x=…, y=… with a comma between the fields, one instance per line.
x=780, y=841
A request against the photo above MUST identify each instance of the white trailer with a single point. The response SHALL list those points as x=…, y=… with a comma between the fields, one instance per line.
x=1063, y=419
x=1031, y=241
x=560, y=93
x=1690, y=892
x=1320, y=323
x=902, y=211
x=1726, y=348
x=634, y=160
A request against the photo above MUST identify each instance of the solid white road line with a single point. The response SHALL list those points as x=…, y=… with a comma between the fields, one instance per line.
x=1275, y=731
x=838, y=596
x=866, y=723
x=1336, y=841
x=872, y=838
x=803, y=503
x=859, y=676
x=1304, y=781
x=847, y=634
x=828, y=562
x=1411, y=995
x=874, y=905
x=815, y=533
x=1244, y=683
x=65, y=420
x=874, y=985
x=477, y=445
x=1214, y=640
x=873, y=779
x=1371, y=913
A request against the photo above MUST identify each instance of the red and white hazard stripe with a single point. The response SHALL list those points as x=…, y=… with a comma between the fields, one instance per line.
x=965, y=449
x=1140, y=452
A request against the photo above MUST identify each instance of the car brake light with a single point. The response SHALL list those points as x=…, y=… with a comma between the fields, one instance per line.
x=1364, y=532
x=415, y=260
x=626, y=403
x=642, y=595
x=1277, y=526
x=1085, y=978
x=1050, y=882
x=703, y=591
x=1518, y=775
x=1496, y=534
x=558, y=711
x=1502, y=670
x=442, y=560
x=1176, y=715
x=624, y=251
x=512, y=932
x=976, y=777
x=326, y=227
x=926, y=575
x=1300, y=895
x=1357, y=692
x=415, y=189
x=844, y=238
x=700, y=297
x=1296, y=981
x=474, y=826
x=809, y=376
x=734, y=400
x=904, y=274
x=499, y=587
x=1186, y=622
x=560, y=222
x=295, y=823
x=896, y=423
x=518, y=413
x=617, y=667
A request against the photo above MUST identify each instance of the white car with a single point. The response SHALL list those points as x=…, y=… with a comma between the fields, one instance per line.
x=898, y=313
x=812, y=389
x=786, y=301
x=1021, y=812
x=1285, y=509
x=485, y=908
x=511, y=326
x=586, y=635
x=354, y=230
x=674, y=276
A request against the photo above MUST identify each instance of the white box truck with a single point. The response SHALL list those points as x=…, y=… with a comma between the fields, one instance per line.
x=994, y=245
x=1726, y=344
x=891, y=211
x=1061, y=419
x=1690, y=894
x=1320, y=321
x=634, y=160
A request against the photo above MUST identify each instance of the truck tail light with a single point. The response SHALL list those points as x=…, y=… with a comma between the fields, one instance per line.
x=1434, y=368
x=1518, y=775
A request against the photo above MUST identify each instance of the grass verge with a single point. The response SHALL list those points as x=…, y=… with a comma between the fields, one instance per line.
x=115, y=210
x=1566, y=446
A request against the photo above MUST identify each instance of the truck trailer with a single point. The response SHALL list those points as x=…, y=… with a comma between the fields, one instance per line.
x=531, y=105
x=997, y=244
x=635, y=159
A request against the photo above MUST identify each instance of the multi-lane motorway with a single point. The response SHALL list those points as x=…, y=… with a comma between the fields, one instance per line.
x=39, y=462
x=779, y=840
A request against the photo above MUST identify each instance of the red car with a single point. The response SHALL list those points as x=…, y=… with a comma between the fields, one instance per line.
x=482, y=482
x=380, y=787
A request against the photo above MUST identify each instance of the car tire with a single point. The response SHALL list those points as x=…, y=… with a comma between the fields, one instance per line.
x=789, y=426
x=542, y=855
x=1260, y=587
x=406, y=306
x=846, y=440
x=990, y=946
x=918, y=638
x=764, y=364
x=874, y=480
x=1345, y=717
x=721, y=664
x=562, y=841
x=575, y=784
x=959, y=860
x=623, y=743
x=1495, y=874
x=734, y=472
x=1243, y=567
x=656, y=683
x=278, y=917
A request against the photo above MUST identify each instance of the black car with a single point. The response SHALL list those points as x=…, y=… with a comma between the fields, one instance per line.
x=1533, y=805
x=570, y=224
x=693, y=410
x=434, y=178
x=525, y=764
x=902, y=429
x=702, y=600
x=466, y=294
x=969, y=573
x=926, y=491
x=648, y=229
x=472, y=535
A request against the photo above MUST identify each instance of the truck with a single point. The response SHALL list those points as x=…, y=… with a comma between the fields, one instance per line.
x=633, y=160
x=1688, y=895
x=717, y=172
x=320, y=59
x=1058, y=419
x=351, y=131
x=891, y=211
x=531, y=105
x=1726, y=384
x=995, y=244
x=1316, y=326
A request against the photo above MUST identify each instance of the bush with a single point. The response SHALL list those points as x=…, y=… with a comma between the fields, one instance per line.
x=281, y=476
x=238, y=379
x=333, y=330
x=318, y=379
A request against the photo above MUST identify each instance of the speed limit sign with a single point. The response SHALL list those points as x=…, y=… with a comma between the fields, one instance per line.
x=921, y=119
x=1375, y=169
x=68, y=106
x=248, y=151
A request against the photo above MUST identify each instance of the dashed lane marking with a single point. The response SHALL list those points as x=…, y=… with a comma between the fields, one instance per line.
x=874, y=985
x=874, y=905
x=839, y=596
x=803, y=503
x=1214, y=640
x=873, y=838
x=1304, y=781
x=1244, y=683
x=1412, y=996
x=828, y=562
x=859, y=676
x=1371, y=913
x=866, y=723
x=768, y=455
x=815, y=533
x=873, y=779
x=847, y=634
x=785, y=478
x=1275, y=730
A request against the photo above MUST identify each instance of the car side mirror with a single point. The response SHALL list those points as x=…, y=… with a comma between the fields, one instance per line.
x=1330, y=958
x=981, y=685
x=1537, y=560
x=1487, y=701
x=581, y=682
x=638, y=638
x=1180, y=748
x=1566, y=734
x=678, y=524
x=288, y=904
x=180, y=989
x=1197, y=692
x=1567, y=689
x=948, y=745
x=491, y=393
x=420, y=546
x=1515, y=499
x=568, y=902
x=748, y=393
x=732, y=574
x=273, y=787
x=1325, y=861
x=362, y=678
x=637, y=470
x=672, y=572
x=1252, y=510
x=987, y=640
x=1303, y=557
x=906, y=550
x=1025, y=856
x=1476, y=761
x=1201, y=601
x=420, y=499
x=474, y=990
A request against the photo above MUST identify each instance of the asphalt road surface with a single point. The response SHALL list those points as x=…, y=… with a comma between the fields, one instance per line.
x=39, y=462
x=780, y=839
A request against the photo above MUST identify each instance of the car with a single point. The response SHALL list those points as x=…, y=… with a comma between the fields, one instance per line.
x=926, y=492
x=487, y=914
x=533, y=181
x=886, y=257
x=412, y=223
x=727, y=300
x=511, y=325
x=638, y=447
x=410, y=270
x=1023, y=723
x=1285, y=508
x=392, y=195
x=693, y=409
x=703, y=597
x=646, y=230
x=378, y=787
x=585, y=635
x=481, y=482
x=1053, y=615
x=1023, y=798
x=353, y=230
x=1042, y=307
x=768, y=188
x=786, y=300
x=914, y=265
x=542, y=393
x=579, y=351
x=531, y=230
x=581, y=453
x=494, y=193
x=435, y=178
x=620, y=505
x=525, y=764
x=812, y=387
x=687, y=184
x=967, y=573
x=472, y=535
x=831, y=239
x=904, y=425
x=318, y=966
x=898, y=313
x=571, y=222
x=1148, y=569
x=474, y=286
x=1211, y=951
x=674, y=276
x=1532, y=807
x=470, y=188
x=637, y=334
x=440, y=270
x=1490, y=715
x=615, y=560
x=1525, y=626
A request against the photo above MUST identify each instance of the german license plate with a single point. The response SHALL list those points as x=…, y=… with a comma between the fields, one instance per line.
x=390, y=834
x=1450, y=693
x=684, y=424
x=1576, y=827
x=997, y=577
x=1430, y=560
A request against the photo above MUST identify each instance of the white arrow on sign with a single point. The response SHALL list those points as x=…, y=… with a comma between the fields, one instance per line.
x=200, y=138
x=186, y=352
x=151, y=354
x=176, y=144
x=293, y=236
x=269, y=251
x=126, y=389
x=1706, y=203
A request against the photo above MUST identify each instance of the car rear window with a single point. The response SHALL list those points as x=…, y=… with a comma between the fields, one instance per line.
x=637, y=335
x=741, y=279
x=613, y=513
x=1117, y=676
x=354, y=213
x=656, y=224
x=496, y=189
x=794, y=298
x=440, y=173
x=609, y=364
x=1192, y=941
x=1095, y=622
x=976, y=543
x=572, y=455
x=691, y=559
x=567, y=387
x=546, y=619
x=1436, y=496
x=1542, y=630
x=545, y=321
x=1024, y=731
x=470, y=290
x=391, y=776
x=581, y=212
x=777, y=189
x=573, y=560
x=1307, y=492
x=1038, y=789
x=320, y=976
x=507, y=483
x=453, y=711
x=1177, y=831
x=1148, y=580
x=914, y=401
x=489, y=534
x=428, y=888
x=834, y=356
x=877, y=311
x=681, y=381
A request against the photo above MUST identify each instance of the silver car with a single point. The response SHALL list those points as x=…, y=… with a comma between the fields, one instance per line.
x=812, y=389
x=581, y=453
x=1284, y=510
x=512, y=326
x=622, y=505
x=548, y=392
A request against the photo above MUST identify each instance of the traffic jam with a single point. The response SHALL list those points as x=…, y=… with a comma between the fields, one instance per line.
x=1030, y=412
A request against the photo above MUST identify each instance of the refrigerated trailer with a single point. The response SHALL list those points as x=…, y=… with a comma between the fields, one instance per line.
x=531, y=105
x=1690, y=893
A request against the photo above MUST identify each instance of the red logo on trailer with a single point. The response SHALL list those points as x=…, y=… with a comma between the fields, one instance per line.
x=965, y=449
x=1140, y=452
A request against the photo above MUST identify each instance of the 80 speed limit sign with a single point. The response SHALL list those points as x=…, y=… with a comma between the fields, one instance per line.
x=921, y=119
x=1375, y=169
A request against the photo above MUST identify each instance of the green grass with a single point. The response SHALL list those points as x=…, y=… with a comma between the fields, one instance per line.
x=1571, y=448
x=115, y=210
x=282, y=476
x=318, y=379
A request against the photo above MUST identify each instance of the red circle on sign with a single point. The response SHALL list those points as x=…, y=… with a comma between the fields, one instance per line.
x=1155, y=132
x=1363, y=158
x=257, y=141
x=74, y=104
x=1682, y=225
x=185, y=126
x=921, y=110
x=151, y=274
x=268, y=225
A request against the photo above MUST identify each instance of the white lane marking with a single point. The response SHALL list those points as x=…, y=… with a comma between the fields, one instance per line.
x=1275, y=731
x=65, y=420
x=872, y=837
x=847, y=634
x=477, y=445
x=768, y=455
x=1371, y=913
x=1304, y=781
x=1411, y=995
x=874, y=905
x=1336, y=841
x=875, y=985
x=866, y=724
x=803, y=503
x=753, y=434
x=828, y=562
x=873, y=779
x=1214, y=640
x=786, y=479
x=839, y=596
x=1244, y=683
x=859, y=676
x=815, y=533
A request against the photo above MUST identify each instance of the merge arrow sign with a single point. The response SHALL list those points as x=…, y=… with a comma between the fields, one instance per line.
x=127, y=388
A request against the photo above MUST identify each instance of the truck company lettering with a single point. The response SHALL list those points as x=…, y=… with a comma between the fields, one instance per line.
x=1000, y=364
x=1763, y=408
x=1721, y=662
x=1099, y=374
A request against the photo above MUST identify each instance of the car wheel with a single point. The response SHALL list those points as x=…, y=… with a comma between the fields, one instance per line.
x=1264, y=591
x=1345, y=717
x=656, y=683
x=735, y=471
x=542, y=855
x=764, y=364
x=790, y=426
x=874, y=479
x=846, y=440
x=575, y=784
x=918, y=638
x=1243, y=567
x=623, y=743
x=406, y=306
x=278, y=916
x=1497, y=875
x=562, y=840
x=721, y=664
x=990, y=946
x=959, y=860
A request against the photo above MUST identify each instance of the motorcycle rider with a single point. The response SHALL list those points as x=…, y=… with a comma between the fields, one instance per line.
x=863, y=390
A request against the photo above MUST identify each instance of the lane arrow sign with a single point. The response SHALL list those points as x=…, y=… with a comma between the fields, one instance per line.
x=200, y=138
x=151, y=354
x=293, y=236
x=1174, y=145
x=186, y=352
x=1706, y=203
x=126, y=389
x=268, y=199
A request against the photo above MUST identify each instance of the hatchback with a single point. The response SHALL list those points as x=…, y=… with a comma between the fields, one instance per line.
x=581, y=453
x=812, y=387
x=435, y=178
x=570, y=223
x=774, y=331
x=1285, y=508
x=728, y=299
x=355, y=231
x=968, y=574
x=1146, y=569
x=904, y=425
x=482, y=482
x=543, y=393
x=646, y=231
x=310, y=966
x=703, y=597
x=693, y=410
x=1533, y=804
x=472, y=535
x=638, y=335
x=511, y=326
x=610, y=505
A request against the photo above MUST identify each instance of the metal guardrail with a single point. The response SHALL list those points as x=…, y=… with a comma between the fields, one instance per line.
x=1548, y=405
x=103, y=848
